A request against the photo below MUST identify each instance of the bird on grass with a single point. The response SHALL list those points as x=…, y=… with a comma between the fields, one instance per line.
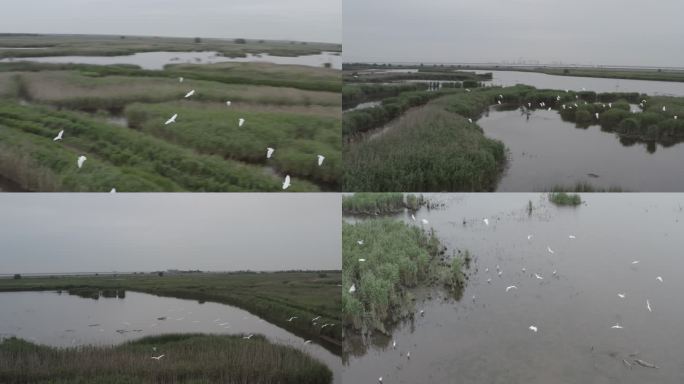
x=241, y=121
x=189, y=93
x=180, y=79
x=362, y=260
x=171, y=120
x=320, y=159
x=286, y=183
x=80, y=161
x=352, y=289
x=315, y=318
x=59, y=136
x=228, y=103
x=269, y=152
x=359, y=242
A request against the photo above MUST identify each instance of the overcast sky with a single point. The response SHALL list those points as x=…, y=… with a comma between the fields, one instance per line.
x=626, y=32
x=42, y=233
x=303, y=20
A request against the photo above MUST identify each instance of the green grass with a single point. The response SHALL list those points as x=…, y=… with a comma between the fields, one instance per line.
x=188, y=358
x=398, y=257
x=565, y=199
x=272, y=296
x=380, y=203
x=354, y=94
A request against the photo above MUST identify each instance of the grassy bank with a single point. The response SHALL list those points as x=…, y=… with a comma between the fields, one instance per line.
x=274, y=297
x=397, y=257
x=565, y=199
x=188, y=358
x=380, y=203
x=354, y=94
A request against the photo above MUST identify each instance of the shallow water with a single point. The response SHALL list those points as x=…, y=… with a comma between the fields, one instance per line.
x=541, y=80
x=545, y=151
x=64, y=320
x=157, y=60
x=488, y=341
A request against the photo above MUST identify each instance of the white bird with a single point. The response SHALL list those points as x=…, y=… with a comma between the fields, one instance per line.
x=538, y=276
x=659, y=279
x=424, y=221
x=422, y=312
x=610, y=105
x=362, y=260
x=489, y=280
x=158, y=357
x=315, y=318
x=558, y=98
x=113, y=190
x=307, y=342
x=269, y=152
x=248, y=337
x=664, y=109
x=571, y=237
x=320, y=160
x=500, y=273
x=292, y=318
x=241, y=121
x=394, y=344
x=550, y=250
x=529, y=237
x=500, y=96
x=189, y=93
x=359, y=242
x=286, y=183
x=59, y=136
x=228, y=103
x=408, y=355
x=499, y=101
x=523, y=270
x=563, y=106
x=675, y=117
x=511, y=287
x=467, y=90
x=486, y=270
x=635, y=262
x=171, y=120
x=80, y=161
x=486, y=221
x=352, y=289
x=648, y=305
x=180, y=79
x=597, y=115
x=533, y=328
x=413, y=217
x=529, y=105
x=621, y=295
x=380, y=379
x=554, y=273
x=617, y=326
x=470, y=120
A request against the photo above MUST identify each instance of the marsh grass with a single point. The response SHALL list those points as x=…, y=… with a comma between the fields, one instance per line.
x=188, y=358
x=565, y=199
x=354, y=94
x=380, y=203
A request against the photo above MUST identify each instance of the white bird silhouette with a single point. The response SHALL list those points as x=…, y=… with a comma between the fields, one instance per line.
x=550, y=250
x=80, y=161
x=648, y=305
x=113, y=190
x=621, y=295
x=286, y=183
x=228, y=103
x=500, y=273
x=533, y=328
x=659, y=279
x=307, y=342
x=635, y=262
x=292, y=318
x=394, y=344
x=664, y=109
x=241, y=121
x=529, y=237
x=470, y=120
x=523, y=270
x=320, y=160
x=597, y=115
x=617, y=326
x=362, y=260
x=511, y=287
x=380, y=379
x=59, y=136
x=424, y=221
x=500, y=96
x=408, y=355
x=499, y=102
x=413, y=217
x=467, y=90
x=158, y=357
x=269, y=152
x=538, y=276
x=171, y=120
x=189, y=93
x=180, y=79
x=675, y=117
x=248, y=337
x=486, y=221
x=359, y=242
x=489, y=280
x=571, y=237
x=352, y=289
x=315, y=318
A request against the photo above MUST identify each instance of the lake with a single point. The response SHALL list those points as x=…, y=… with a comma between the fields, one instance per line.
x=65, y=320
x=544, y=81
x=545, y=151
x=157, y=60
x=487, y=339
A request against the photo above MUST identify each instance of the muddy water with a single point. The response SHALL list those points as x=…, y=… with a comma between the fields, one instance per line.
x=64, y=320
x=157, y=60
x=488, y=340
x=545, y=151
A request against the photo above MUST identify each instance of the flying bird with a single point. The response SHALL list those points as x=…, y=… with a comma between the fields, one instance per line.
x=292, y=318
x=286, y=183
x=511, y=287
x=571, y=237
x=533, y=328
x=413, y=217
x=550, y=250
x=320, y=160
x=228, y=103
x=659, y=279
x=617, y=326
x=248, y=337
x=157, y=357
x=80, y=161
x=315, y=318
x=189, y=93
x=538, y=276
x=635, y=262
x=621, y=295
x=241, y=121
x=486, y=221
x=171, y=120
x=269, y=152
x=352, y=289
x=424, y=221
x=59, y=136
x=648, y=305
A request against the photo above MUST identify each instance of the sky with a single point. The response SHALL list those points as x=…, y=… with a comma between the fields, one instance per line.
x=74, y=232
x=591, y=32
x=302, y=20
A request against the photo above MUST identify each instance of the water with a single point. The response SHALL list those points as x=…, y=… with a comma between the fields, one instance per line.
x=157, y=60
x=64, y=320
x=541, y=80
x=545, y=151
x=488, y=340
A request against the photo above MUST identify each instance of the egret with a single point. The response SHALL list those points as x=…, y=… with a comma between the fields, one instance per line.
x=617, y=326
x=500, y=273
x=511, y=287
x=315, y=318
x=113, y=190
x=648, y=305
x=352, y=289
x=529, y=105
x=286, y=183
x=241, y=121
x=675, y=117
x=362, y=260
x=380, y=379
x=408, y=355
x=269, y=152
x=533, y=328
x=157, y=357
x=558, y=98
x=664, y=109
x=499, y=102
x=597, y=115
x=489, y=281
x=563, y=106
x=554, y=273
x=659, y=279
x=538, y=276
x=189, y=93
x=571, y=237
x=422, y=312
x=470, y=120
x=80, y=161
x=413, y=217
x=180, y=79
x=320, y=160
x=621, y=295
x=635, y=262
x=500, y=96
x=59, y=136
x=610, y=105
x=359, y=242
x=486, y=221
x=171, y=120
x=307, y=342
x=228, y=103
x=394, y=344
x=523, y=270
x=550, y=250
x=424, y=221
x=292, y=318
x=467, y=90
x=549, y=109
x=529, y=237
x=248, y=337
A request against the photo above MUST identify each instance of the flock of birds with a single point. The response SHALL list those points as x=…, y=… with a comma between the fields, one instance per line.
x=241, y=121
x=533, y=327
